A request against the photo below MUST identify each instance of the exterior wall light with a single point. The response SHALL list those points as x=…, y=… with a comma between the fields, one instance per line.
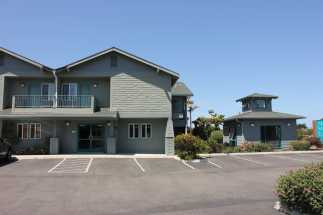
x=22, y=84
x=67, y=123
x=289, y=124
x=252, y=124
x=108, y=124
x=95, y=85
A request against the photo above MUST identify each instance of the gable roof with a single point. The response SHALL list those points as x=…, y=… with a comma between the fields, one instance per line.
x=257, y=95
x=263, y=115
x=27, y=60
x=127, y=54
x=180, y=89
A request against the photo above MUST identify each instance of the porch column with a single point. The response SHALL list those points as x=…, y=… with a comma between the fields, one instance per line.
x=2, y=83
x=169, y=138
x=54, y=141
x=111, y=140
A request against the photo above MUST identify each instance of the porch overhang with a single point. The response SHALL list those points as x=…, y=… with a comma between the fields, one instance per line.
x=8, y=114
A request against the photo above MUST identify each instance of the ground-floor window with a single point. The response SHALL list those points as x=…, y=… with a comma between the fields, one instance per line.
x=143, y=132
x=146, y=130
x=29, y=130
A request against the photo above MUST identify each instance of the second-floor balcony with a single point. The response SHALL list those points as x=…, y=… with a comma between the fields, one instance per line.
x=21, y=103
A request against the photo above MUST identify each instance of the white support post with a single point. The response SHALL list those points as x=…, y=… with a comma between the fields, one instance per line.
x=13, y=103
x=56, y=89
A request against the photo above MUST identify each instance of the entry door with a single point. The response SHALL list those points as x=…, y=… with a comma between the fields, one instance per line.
x=91, y=137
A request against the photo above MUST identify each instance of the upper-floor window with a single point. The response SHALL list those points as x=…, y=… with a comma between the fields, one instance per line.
x=47, y=89
x=1, y=59
x=114, y=60
x=29, y=130
x=70, y=89
x=178, y=105
x=246, y=105
x=260, y=104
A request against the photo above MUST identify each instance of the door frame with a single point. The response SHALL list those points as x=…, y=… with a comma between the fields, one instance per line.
x=91, y=139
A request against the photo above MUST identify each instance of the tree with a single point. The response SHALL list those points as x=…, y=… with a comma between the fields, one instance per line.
x=203, y=126
x=191, y=107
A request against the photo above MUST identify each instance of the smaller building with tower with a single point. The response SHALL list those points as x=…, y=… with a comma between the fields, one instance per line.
x=258, y=123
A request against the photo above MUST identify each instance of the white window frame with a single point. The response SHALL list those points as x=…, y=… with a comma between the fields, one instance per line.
x=133, y=130
x=69, y=88
x=146, y=130
x=28, y=136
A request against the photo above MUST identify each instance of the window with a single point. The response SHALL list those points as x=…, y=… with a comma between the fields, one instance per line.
x=133, y=130
x=114, y=60
x=29, y=130
x=47, y=89
x=1, y=59
x=70, y=89
x=146, y=130
x=260, y=104
x=139, y=130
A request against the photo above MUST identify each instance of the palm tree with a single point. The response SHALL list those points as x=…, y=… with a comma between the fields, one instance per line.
x=191, y=107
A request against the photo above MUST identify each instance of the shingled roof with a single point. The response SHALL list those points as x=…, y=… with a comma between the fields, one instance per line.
x=257, y=95
x=180, y=89
x=263, y=115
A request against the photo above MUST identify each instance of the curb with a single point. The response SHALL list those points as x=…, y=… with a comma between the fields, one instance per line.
x=62, y=156
x=260, y=153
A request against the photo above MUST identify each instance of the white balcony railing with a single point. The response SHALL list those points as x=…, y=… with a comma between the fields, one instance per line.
x=61, y=101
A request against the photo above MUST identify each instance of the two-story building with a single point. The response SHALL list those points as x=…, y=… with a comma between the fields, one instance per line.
x=259, y=123
x=110, y=102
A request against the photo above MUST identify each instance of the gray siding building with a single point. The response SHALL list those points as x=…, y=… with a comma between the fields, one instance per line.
x=110, y=102
x=259, y=123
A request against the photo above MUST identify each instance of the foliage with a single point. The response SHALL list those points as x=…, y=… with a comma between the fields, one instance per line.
x=36, y=149
x=314, y=141
x=299, y=145
x=256, y=147
x=302, y=190
x=203, y=126
x=216, y=137
x=303, y=131
x=231, y=149
x=188, y=146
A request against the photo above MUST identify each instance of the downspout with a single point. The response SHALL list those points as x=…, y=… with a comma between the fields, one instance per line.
x=56, y=88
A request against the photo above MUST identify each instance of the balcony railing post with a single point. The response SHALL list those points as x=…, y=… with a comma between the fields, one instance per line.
x=92, y=102
x=13, y=103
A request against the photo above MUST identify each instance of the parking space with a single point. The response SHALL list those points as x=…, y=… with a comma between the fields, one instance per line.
x=115, y=167
x=72, y=165
x=160, y=166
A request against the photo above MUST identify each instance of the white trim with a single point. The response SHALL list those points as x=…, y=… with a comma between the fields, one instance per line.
x=126, y=54
x=28, y=137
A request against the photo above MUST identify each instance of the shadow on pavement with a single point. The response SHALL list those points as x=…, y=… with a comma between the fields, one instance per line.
x=4, y=162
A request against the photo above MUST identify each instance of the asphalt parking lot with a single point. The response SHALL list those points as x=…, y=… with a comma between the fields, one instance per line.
x=239, y=184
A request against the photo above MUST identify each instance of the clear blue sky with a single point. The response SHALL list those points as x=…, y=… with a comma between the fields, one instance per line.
x=222, y=49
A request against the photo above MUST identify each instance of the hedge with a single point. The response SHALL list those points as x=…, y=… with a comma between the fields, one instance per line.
x=188, y=146
x=302, y=190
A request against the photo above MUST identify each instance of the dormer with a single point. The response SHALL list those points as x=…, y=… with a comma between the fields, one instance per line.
x=257, y=102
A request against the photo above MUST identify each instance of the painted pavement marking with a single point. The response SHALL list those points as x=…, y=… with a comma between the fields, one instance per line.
x=139, y=165
x=188, y=165
x=72, y=165
x=214, y=164
x=246, y=159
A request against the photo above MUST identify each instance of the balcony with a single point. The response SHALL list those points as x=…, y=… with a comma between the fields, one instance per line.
x=60, y=103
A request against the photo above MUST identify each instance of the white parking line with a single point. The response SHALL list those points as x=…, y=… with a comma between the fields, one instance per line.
x=214, y=164
x=186, y=164
x=246, y=159
x=88, y=166
x=139, y=165
x=288, y=158
x=59, y=163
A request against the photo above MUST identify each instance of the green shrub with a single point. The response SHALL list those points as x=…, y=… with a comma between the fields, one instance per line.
x=299, y=145
x=188, y=146
x=255, y=147
x=37, y=149
x=231, y=149
x=216, y=137
x=216, y=148
x=302, y=190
